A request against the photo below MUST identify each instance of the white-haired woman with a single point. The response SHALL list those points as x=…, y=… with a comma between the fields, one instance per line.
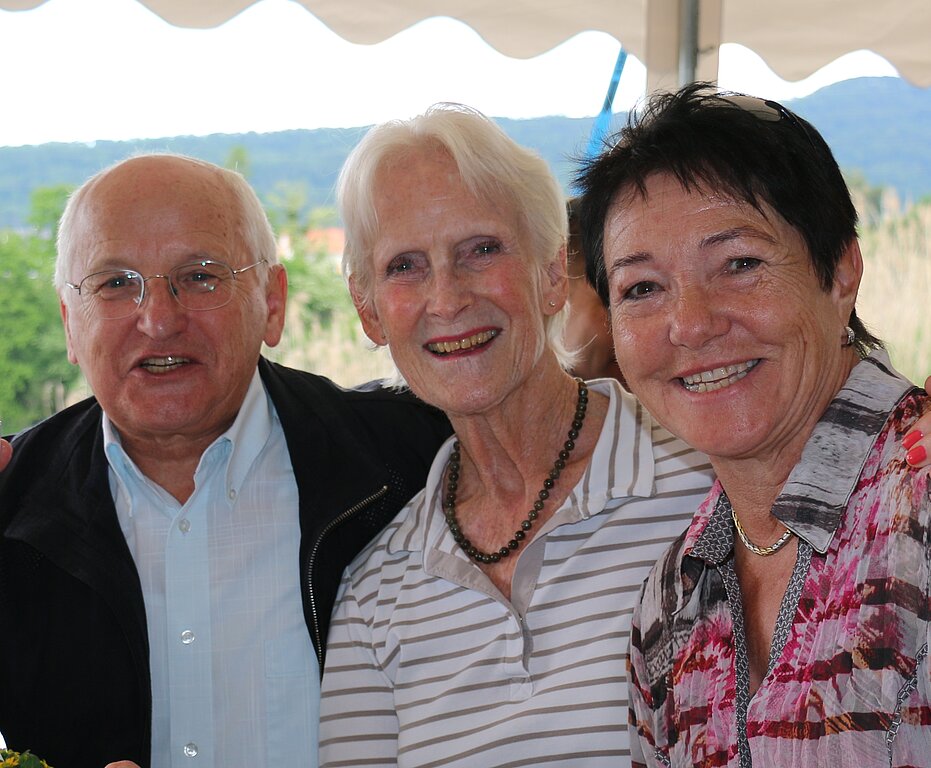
x=488, y=624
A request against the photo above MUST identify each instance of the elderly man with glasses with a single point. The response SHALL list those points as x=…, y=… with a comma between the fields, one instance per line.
x=171, y=547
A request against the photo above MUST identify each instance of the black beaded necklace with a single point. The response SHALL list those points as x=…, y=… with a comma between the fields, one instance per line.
x=452, y=485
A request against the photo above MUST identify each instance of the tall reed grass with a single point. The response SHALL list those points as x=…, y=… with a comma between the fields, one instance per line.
x=895, y=293
x=337, y=349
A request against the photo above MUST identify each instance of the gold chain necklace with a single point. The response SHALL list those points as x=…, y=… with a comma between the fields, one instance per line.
x=452, y=485
x=757, y=550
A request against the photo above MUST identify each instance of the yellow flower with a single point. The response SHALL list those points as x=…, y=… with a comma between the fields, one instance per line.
x=25, y=759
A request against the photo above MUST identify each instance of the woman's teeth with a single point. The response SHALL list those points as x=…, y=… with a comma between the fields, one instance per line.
x=717, y=378
x=445, y=347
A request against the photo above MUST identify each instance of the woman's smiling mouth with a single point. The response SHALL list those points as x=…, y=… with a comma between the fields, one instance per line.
x=475, y=340
x=717, y=378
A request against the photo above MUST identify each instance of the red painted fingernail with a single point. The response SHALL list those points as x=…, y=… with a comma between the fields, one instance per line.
x=911, y=438
x=916, y=455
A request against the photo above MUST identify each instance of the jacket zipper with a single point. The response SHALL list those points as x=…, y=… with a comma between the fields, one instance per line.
x=313, y=556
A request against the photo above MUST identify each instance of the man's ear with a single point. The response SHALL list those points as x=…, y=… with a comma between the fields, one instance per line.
x=276, y=300
x=367, y=314
x=72, y=357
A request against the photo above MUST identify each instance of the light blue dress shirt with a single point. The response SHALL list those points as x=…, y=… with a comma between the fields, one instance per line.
x=235, y=681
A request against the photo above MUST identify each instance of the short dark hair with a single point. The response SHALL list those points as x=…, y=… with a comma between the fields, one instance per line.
x=752, y=150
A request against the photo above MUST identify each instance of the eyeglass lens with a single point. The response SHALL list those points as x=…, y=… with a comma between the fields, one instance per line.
x=198, y=286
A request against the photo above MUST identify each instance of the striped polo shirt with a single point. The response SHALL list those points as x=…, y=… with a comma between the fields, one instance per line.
x=428, y=665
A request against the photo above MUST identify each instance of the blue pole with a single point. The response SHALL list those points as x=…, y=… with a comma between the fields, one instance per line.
x=603, y=121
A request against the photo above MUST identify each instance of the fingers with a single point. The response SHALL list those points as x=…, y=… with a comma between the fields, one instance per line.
x=917, y=440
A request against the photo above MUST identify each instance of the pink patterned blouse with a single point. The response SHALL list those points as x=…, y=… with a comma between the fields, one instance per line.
x=849, y=679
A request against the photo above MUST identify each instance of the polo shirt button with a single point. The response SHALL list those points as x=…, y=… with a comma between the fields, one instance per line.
x=184, y=525
x=187, y=637
x=190, y=749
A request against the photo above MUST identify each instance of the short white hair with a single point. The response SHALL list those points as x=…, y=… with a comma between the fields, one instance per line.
x=253, y=227
x=490, y=164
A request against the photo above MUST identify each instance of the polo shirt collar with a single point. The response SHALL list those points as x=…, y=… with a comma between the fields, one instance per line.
x=630, y=473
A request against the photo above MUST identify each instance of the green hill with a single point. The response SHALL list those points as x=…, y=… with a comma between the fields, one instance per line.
x=878, y=126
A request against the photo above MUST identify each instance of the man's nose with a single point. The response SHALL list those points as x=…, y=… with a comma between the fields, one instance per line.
x=160, y=313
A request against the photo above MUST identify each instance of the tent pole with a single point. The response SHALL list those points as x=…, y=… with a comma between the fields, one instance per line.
x=688, y=40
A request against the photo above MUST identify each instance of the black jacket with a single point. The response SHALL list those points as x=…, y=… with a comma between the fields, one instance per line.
x=74, y=657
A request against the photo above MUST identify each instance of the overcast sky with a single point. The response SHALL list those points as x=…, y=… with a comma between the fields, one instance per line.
x=82, y=70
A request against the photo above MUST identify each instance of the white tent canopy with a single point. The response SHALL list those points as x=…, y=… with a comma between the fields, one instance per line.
x=677, y=40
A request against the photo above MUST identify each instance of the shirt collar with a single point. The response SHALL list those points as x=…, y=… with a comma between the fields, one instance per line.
x=711, y=535
x=249, y=433
x=241, y=443
x=814, y=497
x=621, y=466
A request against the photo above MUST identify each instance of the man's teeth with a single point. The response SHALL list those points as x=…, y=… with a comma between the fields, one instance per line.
x=163, y=364
x=445, y=347
x=717, y=378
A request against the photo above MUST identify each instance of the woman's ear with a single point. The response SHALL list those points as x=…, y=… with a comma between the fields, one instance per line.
x=847, y=276
x=556, y=283
x=367, y=314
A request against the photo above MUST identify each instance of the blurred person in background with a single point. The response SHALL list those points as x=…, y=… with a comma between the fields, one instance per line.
x=588, y=325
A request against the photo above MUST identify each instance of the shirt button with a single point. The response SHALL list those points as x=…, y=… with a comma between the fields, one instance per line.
x=232, y=494
x=184, y=525
x=190, y=749
x=187, y=637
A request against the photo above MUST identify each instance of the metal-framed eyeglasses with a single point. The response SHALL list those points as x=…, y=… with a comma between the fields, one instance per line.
x=198, y=286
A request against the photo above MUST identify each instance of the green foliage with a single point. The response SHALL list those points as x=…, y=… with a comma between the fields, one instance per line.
x=35, y=368
x=11, y=759
x=237, y=159
x=316, y=285
x=286, y=207
x=47, y=204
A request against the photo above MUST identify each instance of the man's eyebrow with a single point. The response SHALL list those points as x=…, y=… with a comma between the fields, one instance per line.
x=734, y=233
